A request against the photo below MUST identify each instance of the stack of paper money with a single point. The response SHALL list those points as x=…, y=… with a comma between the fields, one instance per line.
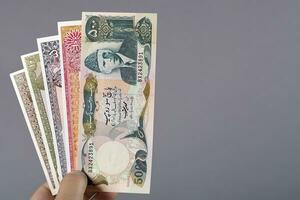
x=87, y=96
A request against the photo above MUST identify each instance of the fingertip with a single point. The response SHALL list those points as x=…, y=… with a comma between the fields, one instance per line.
x=92, y=189
x=77, y=175
x=72, y=186
x=43, y=192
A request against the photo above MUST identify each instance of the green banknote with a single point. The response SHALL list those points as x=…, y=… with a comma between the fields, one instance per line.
x=31, y=64
x=26, y=102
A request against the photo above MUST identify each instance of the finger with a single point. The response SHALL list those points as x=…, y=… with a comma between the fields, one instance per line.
x=72, y=186
x=105, y=196
x=42, y=193
x=100, y=196
x=91, y=190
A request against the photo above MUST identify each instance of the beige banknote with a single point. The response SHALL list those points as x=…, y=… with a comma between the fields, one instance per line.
x=70, y=44
x=117, y=82
x=32, y=66
x=40, y=142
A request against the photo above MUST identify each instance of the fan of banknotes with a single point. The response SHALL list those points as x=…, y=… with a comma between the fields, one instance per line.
x=87, y=96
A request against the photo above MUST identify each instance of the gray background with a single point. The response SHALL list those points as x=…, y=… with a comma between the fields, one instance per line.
x=227, y=96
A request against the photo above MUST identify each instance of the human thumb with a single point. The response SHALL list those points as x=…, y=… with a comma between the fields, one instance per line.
x=72, y=186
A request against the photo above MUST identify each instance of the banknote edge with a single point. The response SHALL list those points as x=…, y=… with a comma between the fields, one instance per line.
x=65, y=120
x=50, y=114
x=39, y=114
x=153, y=60
x=116, y=13
x=54, y=191
x=51, y=122
x=68, y=23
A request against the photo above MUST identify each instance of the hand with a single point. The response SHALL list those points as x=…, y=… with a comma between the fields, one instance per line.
x=73, y=187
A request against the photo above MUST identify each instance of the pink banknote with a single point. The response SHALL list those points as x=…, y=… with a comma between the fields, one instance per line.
x=70, y=38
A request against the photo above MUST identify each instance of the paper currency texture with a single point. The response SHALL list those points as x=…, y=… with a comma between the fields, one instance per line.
x=32, y=67
x=117, y=100
x=26, y=103
x=51, y=70
x=70, y=46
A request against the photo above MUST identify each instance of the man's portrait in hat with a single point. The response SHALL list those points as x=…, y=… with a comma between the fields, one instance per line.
x=106, y=61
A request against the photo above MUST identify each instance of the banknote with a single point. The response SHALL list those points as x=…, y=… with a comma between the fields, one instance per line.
x=70, y=45
x=51, y=70
x=26, y=102
x=117, y=82
x=32, y=66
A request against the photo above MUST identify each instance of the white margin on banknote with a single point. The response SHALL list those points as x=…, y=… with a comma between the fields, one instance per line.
x=152, y=103
x=47, y=107
x=39, y=41
x=53, y=190
x=48, y=104
x=39, y=115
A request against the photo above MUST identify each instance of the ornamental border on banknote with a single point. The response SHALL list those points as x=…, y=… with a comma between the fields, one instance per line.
x=40, y=118
x=52, y=189
x=58, y=156
x=66, y=121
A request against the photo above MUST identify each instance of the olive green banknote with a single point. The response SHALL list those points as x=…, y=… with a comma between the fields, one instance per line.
x=32, y=66
x=117, y=85
x=40, y=143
